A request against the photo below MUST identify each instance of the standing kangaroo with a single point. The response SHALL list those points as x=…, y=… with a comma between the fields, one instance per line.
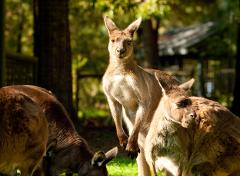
x=23, y=133
x=195, y=135
x=132, y=92
x=69, y=151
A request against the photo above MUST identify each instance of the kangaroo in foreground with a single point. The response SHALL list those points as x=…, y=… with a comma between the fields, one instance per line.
x=69, y=152
x=193, y=136
x=132, y=92
x=23, y=133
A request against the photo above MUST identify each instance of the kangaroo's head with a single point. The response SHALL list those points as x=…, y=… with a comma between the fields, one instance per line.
x=176, y=103
x=120, y=44
x=79, y=159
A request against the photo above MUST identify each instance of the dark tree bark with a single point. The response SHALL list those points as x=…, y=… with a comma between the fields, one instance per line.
x=236, y=94
x=2, y=58
x=52, y=47
x=150, y=43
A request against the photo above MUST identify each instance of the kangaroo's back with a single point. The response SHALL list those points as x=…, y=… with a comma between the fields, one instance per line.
x=23, y=133
x=61, y=127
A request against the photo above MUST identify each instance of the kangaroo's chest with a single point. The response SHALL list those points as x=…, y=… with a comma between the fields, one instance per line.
x=172, y=140
x=124, y=89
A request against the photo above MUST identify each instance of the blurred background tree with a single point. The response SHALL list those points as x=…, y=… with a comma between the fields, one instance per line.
x=2, y=58
x=236, y=94
x=52, y=48
x=186, y=38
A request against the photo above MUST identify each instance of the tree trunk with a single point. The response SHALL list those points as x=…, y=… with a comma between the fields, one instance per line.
x=150, y=43
x=52, y=47
x=2, y=56
x=236, y=94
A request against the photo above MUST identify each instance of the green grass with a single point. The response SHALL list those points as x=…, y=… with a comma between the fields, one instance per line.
x=123, y=166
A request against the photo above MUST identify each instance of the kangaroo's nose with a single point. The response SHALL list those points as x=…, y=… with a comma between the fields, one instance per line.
x=121, y=50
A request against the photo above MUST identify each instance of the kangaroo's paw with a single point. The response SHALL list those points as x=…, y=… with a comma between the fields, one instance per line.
x=132, y=149
x=123, y=140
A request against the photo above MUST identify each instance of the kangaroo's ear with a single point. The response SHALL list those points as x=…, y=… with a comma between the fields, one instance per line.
x=111, y=154
x=134, y=26
x=110, y=25
x=162, y=84
x=100, y=158
x=187, y=85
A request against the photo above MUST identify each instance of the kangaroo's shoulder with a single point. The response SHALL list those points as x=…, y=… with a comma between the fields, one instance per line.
x=212, y=114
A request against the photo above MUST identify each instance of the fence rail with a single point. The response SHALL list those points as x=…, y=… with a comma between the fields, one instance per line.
x=20, y=69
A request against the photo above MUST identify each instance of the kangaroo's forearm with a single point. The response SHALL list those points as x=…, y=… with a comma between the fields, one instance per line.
x=116, y=111
x=135, y=132
x=139, y=119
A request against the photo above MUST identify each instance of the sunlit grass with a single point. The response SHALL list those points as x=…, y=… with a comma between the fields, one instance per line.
x=123, y=166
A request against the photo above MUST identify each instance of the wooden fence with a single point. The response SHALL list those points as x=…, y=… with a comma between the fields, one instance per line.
x=20, y=69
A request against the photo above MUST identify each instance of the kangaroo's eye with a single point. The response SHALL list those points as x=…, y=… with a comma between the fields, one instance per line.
x=184, y=103
x=129, y=42
x=112, y=40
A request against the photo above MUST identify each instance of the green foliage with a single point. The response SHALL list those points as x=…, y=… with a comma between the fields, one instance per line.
x=92, y=102
x=19, y=26
x=153, y=9
x=88, y=37
x=145, y=9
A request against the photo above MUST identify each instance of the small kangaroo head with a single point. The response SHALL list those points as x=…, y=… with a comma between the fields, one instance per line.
x=176, y=103
x=120, y=44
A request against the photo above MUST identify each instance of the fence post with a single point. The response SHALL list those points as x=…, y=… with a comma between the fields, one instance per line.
x=2, y=56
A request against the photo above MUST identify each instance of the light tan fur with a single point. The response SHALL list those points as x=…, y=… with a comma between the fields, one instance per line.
x=196, y=135
x=23, y=133
x=132, y=92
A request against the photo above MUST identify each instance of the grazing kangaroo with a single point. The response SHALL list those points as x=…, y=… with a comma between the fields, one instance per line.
x=193, y=136
x=23, y=133
x=132, y=92
x=69, y=152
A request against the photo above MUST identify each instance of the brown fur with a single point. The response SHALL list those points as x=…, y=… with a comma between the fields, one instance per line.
x=69, y=151
x=207, y=145
x=132, y=92
x=23, y=133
